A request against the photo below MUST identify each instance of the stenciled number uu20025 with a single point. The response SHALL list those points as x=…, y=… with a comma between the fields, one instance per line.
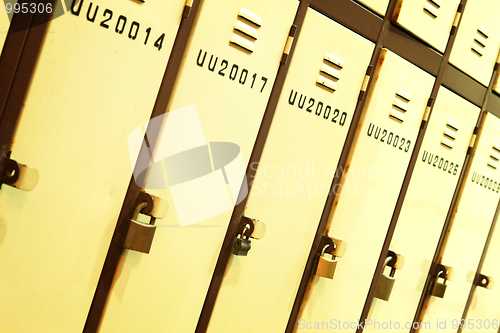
x=122, y=25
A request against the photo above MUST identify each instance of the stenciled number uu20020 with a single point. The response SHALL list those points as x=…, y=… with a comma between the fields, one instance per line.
x=123, y=25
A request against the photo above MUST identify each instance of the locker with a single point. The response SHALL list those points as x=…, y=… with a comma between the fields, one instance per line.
x=4, y=27
x=483, y=312
x=476, y=46
x=473, y=216
x=371, y=182
x=433, y=182
x=165, y=290
x=294, y=175
x=95, y=80
x=431, y=20
x=379, y=6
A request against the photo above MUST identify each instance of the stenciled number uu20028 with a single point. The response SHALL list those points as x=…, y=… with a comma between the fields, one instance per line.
x=122, y=26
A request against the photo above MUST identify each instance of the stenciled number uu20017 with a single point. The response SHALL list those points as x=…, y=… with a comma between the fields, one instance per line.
x=233, y=71
x=122, y=25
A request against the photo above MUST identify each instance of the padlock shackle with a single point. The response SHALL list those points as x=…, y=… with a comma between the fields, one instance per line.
x=138, y=209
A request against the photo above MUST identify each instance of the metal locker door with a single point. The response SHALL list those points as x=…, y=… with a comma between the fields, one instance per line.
x=369, y=190
x=294, y=175
x=426, y=205
x=226, y=86
x=96, y=78
x=431, y=20
x=379, y=6
x=484, y=310
x=4, y=27
x=469, y=227
x=476, y=46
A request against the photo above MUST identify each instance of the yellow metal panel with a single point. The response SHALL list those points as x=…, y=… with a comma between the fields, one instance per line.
x=294, y=177
x=90, y=89
x=4, y=27
x=165, y=290
x=371, y=183
x=426, y=205
x=484, y=310
x=478, y=18
x=430, y=20
x=469, y=227
x=379, y=6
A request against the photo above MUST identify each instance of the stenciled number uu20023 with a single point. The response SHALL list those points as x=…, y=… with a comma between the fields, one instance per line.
x=121, y=26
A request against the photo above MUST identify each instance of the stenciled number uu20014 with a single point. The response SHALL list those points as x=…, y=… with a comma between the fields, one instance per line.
x=123, y=25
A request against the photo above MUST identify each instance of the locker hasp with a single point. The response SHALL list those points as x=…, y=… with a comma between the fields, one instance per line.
x=18, y=175
x=247, y=228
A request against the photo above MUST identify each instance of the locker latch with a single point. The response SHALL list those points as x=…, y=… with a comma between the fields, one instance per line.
x=484, y=281
x=386, y=283
x=18, y=175
x=329, y=247
x=247, y=228
x=140, y=235
x=441, y=272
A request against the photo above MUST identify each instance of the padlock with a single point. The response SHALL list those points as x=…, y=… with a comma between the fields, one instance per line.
x=326, y=267
x=386, y=283
x=140, y=235
x=438, y=289
x=442, y=272
x=241, y=246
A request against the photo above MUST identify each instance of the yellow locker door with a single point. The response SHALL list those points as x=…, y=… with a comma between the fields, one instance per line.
x=369, y=190
x=469, y=227
x=294, y=175
x=223, y=88
x=379, y=6
x=430, y=20
x=484, y=310
x=4, y=27
x=425, y=207
x=478, y=38
x=97, y=77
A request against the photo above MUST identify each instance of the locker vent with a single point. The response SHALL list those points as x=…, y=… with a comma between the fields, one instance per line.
x=432, y=7
x=449, y=134
x=494, y=156
x=400, y=105
x=480, y=40
x=246, y=30
x=330, y=73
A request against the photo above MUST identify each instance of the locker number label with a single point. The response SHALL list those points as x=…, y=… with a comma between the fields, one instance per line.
x=232, y=71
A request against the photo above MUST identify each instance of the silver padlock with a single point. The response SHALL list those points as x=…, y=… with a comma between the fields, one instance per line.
x=386, y=283
x=443, y=272
x=326, y=267
x=140, y=235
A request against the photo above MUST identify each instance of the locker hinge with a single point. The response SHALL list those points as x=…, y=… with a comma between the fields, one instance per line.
x=288, y=45
x=428, y=108
x=472, y=140
x=18, y=175
x=457, y=19
x=187, y=9
x=366, y=80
